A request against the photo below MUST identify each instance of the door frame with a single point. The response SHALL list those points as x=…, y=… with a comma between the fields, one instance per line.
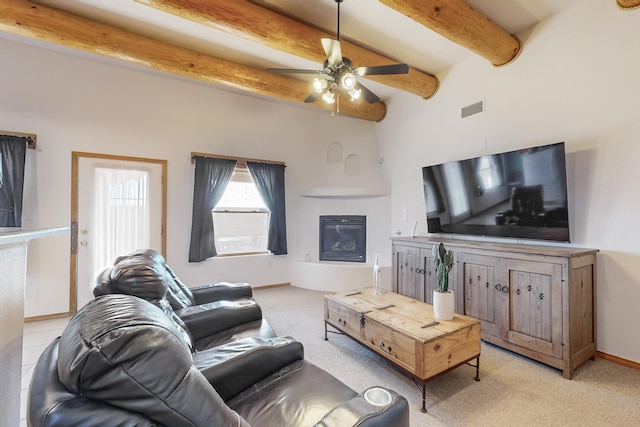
x=75, y=194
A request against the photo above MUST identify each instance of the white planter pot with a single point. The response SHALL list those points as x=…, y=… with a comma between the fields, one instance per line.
x=443, y=305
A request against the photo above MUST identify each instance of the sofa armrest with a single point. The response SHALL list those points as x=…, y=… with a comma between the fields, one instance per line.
x=207, y=319
x=221, y=291
x=367, y=410
x=234, y=367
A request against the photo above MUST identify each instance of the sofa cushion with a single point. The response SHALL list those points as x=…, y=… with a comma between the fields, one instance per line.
x=300, y=394
x=125, y=352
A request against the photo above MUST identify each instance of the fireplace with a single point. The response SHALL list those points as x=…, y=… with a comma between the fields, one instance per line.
x=343, y=238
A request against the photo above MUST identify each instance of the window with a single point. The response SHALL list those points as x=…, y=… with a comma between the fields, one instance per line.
x=212, y=175
x=241, y=218
x=121, y=211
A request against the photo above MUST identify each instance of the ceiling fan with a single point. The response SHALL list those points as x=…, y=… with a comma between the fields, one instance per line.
x=339, y=74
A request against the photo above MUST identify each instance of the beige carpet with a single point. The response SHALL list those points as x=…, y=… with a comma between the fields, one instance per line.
x=513, y=391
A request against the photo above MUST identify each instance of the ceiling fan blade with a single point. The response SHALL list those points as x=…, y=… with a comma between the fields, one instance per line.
x=312, y=97
x=290, y=71
x=333, y=51
x=383, y=69
x=369, y=96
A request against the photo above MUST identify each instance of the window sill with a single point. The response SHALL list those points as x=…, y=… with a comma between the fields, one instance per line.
x=235, y=254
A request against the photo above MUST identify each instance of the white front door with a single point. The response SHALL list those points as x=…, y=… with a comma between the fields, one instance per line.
x=119, y=209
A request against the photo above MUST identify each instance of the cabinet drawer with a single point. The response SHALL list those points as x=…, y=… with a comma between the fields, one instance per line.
x=343, y=318
x=390, y=343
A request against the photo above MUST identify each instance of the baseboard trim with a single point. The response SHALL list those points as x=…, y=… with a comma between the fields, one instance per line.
x=275, y=285
x=619, y=360
x=46, y=317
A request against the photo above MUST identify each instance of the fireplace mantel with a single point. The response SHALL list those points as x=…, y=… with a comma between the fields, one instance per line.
x=346, y=192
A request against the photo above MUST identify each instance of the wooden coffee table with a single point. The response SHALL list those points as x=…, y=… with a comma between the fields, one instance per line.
x=405, y=332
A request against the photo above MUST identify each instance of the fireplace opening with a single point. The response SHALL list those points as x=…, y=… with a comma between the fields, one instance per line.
x=343, y=238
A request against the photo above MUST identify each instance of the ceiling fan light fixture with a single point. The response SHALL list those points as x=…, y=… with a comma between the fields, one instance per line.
x=329, y=97
x=348, y=81
x=319, y=85
x=355, y=94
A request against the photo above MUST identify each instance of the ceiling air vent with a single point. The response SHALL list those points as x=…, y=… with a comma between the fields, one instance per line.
x=472, y=109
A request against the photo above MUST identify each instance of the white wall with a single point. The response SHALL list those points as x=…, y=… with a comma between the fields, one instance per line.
x=75, y=103
x=576, y=80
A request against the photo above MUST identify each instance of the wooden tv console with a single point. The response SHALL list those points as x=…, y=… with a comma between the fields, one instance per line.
x=537, y=301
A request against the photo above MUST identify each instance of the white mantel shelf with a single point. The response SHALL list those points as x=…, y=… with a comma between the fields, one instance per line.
x=345, y=193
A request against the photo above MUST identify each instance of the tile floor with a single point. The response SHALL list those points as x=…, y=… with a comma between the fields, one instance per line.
x=37, y=335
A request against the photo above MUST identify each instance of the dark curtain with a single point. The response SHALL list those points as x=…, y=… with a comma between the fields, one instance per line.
x=269, y=179
x=211, y=179
x=13, y=150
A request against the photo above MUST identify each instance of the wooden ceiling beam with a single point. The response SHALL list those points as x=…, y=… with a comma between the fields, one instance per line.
x=256, y=23
x=32, y=20
x=457, y=21
x=629, y=4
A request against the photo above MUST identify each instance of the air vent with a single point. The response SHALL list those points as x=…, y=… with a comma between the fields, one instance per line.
x=472, y=109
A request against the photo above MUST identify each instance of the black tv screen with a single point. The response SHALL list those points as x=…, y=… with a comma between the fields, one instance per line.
x=517, y=194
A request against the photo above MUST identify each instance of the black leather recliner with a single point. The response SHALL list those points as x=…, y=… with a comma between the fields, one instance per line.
x=122, y=362
x=181, y=296
x=144, y=274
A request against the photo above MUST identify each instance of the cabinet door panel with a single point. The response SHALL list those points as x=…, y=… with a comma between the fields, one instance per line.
x=430, y=276
x=535, y=294
x=481, y=291
x=408, y=279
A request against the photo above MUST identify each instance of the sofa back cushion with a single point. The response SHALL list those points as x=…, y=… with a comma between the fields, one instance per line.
x=125, y=352
x=142, y=276
x=178, y=294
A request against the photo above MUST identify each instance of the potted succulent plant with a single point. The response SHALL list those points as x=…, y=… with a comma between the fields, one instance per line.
x=443, y=298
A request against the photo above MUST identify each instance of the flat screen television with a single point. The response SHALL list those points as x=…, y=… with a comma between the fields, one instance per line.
x=518, y=194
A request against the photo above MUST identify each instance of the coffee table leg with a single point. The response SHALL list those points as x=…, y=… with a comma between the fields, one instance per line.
x=424, y=398
x=325, y=332
x=477, y=378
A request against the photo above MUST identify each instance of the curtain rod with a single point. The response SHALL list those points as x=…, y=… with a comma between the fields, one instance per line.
x=237, y=159
x=31, y=137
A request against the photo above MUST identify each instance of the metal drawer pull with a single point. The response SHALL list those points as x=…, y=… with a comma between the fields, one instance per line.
x=505, y=289
x=428, y=325
x=498, y=287
x=386, y=350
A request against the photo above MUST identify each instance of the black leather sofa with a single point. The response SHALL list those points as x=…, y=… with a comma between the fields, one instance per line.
x=128, y=358
x=122, y=361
